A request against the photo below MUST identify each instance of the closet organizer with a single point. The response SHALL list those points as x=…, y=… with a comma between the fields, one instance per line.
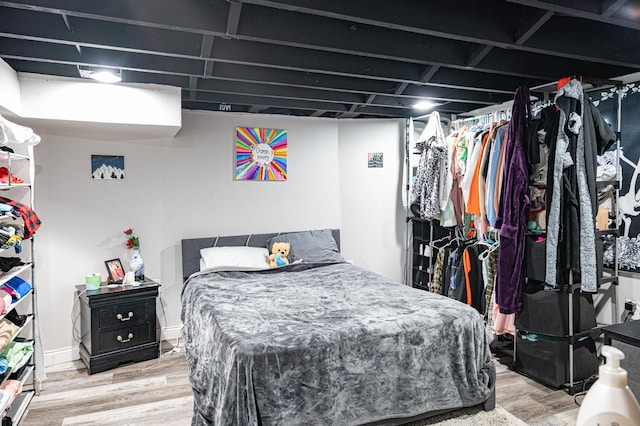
x=19, y=334
x=502, y=217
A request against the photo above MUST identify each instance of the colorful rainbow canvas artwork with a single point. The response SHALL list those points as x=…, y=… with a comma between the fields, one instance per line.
x=261, y=154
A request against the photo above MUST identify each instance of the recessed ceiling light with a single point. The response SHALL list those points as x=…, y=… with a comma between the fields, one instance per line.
x=101, y=75
x=424, y=105
x=106, y=77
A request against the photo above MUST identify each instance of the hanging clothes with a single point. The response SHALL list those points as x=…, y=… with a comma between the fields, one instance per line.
x=494, y=170
x=448, y=216
x=579, y=135
x=456, y=192
x=438, y=269
x=429, y=176
x=469, y=281
x=473, y=205
x=470, y=174
x=491, y=263
x=514, y=208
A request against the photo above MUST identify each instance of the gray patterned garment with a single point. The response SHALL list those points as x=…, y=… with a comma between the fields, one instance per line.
x=327, y=344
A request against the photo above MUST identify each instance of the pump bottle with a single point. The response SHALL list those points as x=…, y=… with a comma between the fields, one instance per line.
x=610, y=401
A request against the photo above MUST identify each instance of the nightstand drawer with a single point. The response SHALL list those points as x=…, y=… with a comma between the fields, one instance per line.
x=126, y=337
x=126, y=314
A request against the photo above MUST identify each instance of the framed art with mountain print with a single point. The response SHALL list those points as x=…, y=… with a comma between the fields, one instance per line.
x=261, y=154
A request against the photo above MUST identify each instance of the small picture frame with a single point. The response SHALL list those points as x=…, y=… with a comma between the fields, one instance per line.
x=115, y=270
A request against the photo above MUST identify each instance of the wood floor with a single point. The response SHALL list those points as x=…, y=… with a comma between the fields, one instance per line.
x=157, y=392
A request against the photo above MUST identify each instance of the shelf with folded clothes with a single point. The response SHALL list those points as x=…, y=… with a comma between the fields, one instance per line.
x=22, y=374
x=14, y=272
x=15, y=303
x=15, y=393
x=18, y=360
x=18, y=408
x=11, y=240
x=26, y=321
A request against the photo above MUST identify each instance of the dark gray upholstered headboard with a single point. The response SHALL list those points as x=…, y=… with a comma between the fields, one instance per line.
x=191, y=247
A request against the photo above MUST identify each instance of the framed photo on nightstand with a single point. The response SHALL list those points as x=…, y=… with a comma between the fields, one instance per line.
x=115, y=270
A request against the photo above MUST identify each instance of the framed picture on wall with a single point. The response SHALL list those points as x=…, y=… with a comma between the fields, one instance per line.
x=115, y=270
x=107, y=167
x=261, y=154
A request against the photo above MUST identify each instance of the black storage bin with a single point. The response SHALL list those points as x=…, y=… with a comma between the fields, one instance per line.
x=535, y=257
x=547, y=361
x=547, y=312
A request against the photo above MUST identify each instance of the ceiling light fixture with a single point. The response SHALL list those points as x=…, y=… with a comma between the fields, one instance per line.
x=423, y=105
x=103, y=75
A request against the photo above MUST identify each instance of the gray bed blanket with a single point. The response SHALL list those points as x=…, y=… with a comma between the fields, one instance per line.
x=327, y=345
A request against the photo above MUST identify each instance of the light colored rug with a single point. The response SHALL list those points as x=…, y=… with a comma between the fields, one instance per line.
x=475, y=416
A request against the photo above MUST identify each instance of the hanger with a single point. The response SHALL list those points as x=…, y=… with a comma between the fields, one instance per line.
x=453, y=240
x=492, y=247
x=448, y=237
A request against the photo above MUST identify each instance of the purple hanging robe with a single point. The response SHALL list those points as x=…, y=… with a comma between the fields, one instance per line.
x=513, y=211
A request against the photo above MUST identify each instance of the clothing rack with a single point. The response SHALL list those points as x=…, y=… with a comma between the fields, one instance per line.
x=482, y=119
x=573, y=386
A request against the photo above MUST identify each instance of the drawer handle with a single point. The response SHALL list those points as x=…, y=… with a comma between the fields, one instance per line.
x=121, y=340
x=121, y=318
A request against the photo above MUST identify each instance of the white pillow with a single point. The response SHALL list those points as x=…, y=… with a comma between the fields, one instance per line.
x=237, y=256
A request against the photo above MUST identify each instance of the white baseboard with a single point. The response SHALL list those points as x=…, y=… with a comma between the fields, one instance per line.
x=60, y=356
x=171, y=333
x=72, y=353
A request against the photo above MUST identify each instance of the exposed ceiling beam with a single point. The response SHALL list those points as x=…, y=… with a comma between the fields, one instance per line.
x=318, y=113
x=400, y=88
x=205, y=52
x=233, y=77
x=250, y=55
x=478, y=56
x=193, y=86
x=447, y=26
x=578, y=13
x=65, y=18
x=452, y=34
x=534, y=25
x=428, y=74
x=196, y=22
x=233, y=19
x=609, y=7
x=67, y=24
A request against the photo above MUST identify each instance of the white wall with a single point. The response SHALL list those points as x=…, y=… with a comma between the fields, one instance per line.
x=184, y=187
x=10, y=102
x=372, y=214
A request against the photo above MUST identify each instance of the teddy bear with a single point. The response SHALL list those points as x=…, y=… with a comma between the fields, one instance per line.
x=279, y=253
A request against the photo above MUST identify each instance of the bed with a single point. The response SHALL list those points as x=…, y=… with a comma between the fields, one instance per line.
x=322, y=341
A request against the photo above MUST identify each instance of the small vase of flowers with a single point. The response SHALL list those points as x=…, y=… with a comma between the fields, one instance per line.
x=136, y=263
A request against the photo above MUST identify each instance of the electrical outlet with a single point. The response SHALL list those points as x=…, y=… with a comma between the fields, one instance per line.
x=629, y=306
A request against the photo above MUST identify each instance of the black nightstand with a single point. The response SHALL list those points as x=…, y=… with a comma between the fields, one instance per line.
x=118, y=325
